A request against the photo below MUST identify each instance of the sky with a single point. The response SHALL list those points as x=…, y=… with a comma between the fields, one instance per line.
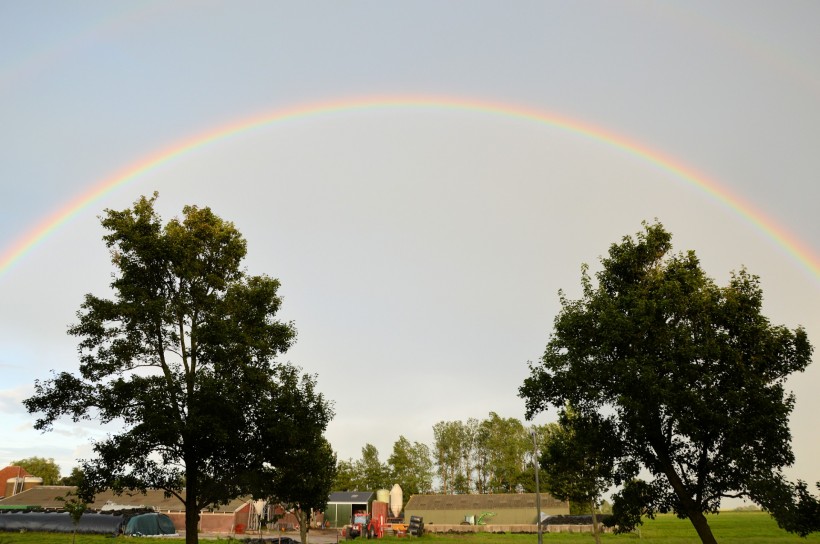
x=422, y=177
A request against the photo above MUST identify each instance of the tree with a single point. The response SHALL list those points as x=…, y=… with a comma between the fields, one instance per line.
x=179, y=357
x=300, y=464
x=577, y=458
x=532, y=461
x=75, y=507
x=306, y=486
x=411, y=467
x=448, y=453
x=506, y=445
x=372, y=473
x=691, y=375
x=346, y=478
x=40, y=467
x=74, y=479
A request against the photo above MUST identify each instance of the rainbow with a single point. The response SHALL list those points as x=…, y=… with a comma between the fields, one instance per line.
x=31, y=239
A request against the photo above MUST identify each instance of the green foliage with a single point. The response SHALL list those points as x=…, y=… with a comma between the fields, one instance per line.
x=183, y=358
x=489, y=456
x=75, y=507
x=300, y=465
x=448, y=451
x=633, y=502
x=504, y=444
x=411, y=466
x=41, y=467
x=578, y=457
x=374, y=473
x=74, y=479
x=792, y=505
x=367, y=473
x=346, y=478
x=691, y=374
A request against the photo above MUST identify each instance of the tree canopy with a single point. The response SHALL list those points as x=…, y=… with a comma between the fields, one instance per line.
x=577, y=460
x=690, y=374
x=183, y=356
x=41, y=467
x=300, y=465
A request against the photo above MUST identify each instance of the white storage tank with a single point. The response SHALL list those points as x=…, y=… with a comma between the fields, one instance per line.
x=396, y=500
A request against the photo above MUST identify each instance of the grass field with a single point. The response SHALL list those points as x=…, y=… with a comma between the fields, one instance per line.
x=728, y=527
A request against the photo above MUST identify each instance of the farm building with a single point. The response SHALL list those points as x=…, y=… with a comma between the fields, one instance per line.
x=236, y=516
x=342, y=504
x=497, y=509
x=17, y=479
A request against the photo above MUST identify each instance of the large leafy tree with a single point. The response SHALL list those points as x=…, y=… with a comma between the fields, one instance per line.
x=180, y=356
x=691, y=374
x=41, y=467
x=346, y=477
x=373, y=474
x=448, y=451
x=577, y=459
x=411, y=466
x=506, y=444
x=300, y=465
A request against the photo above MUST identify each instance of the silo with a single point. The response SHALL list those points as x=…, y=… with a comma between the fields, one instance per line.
x=383, y=495
x=396, y=500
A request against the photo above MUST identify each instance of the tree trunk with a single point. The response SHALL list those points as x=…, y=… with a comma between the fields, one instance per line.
x=594, y=523
x=702, y=527
x=693, y=512
x=304, y=520
x=191, y=508
x=191, y=523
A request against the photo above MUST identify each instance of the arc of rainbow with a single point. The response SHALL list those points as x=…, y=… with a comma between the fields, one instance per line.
x=791, y=244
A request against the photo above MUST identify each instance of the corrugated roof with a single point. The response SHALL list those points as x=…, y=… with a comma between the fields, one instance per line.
x=350, y=497
x=46, y=497
x=480, y=502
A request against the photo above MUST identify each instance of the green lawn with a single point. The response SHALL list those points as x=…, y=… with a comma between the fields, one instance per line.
x=728, y=527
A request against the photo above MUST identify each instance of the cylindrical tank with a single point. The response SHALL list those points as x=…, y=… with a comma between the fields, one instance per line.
x=383, y=495
x=396, y=501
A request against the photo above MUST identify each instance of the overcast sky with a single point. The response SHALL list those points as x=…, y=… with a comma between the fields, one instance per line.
x=420, y=248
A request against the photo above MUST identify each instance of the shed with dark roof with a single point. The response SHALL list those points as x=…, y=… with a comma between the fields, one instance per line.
x=341, y=506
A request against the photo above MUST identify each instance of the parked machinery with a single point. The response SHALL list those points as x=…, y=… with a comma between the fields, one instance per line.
x=376, y=524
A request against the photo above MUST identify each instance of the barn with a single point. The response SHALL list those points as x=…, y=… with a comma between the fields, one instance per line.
x=496, y=509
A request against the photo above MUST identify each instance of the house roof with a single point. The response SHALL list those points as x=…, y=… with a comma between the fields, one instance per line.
x=46, y=497
x=480, y=502
x=350, y=497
